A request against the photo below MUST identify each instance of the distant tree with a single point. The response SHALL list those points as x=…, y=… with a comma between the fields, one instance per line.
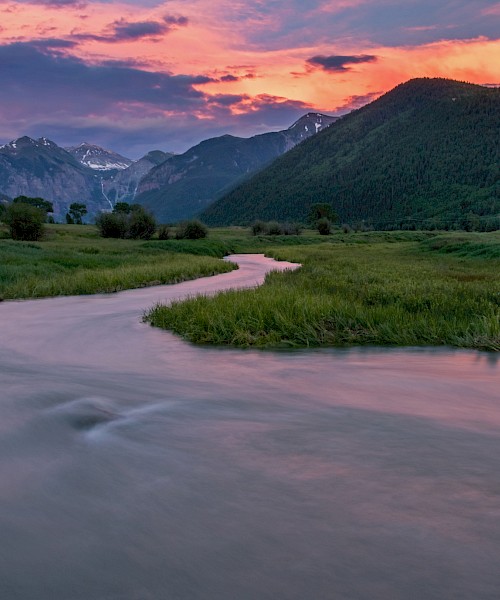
x=25, y=221
x=69, y=219
x=163, y=232
x=77, y=211
x=324, y=226
x=40, y=203
x=322, y=210
x=122, y=207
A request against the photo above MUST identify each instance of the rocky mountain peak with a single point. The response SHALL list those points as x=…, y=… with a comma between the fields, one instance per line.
x=98, y=158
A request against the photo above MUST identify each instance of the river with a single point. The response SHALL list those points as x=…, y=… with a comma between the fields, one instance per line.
x=135, y=466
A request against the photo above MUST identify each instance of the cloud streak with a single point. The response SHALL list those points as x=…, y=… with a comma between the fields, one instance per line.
x=340, y=64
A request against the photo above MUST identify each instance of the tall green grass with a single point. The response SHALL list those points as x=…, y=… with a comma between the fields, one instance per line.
x=75, y=260
x=381, y=291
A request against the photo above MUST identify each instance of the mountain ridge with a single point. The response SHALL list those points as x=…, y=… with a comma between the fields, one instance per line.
x=99, y=178
x=427, y=149
x=185, y=184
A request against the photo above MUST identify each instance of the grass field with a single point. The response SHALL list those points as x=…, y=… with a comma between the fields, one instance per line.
x=75, y=260
x=397, y=288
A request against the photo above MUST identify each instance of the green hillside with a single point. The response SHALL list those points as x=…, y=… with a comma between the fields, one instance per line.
x=425, y=154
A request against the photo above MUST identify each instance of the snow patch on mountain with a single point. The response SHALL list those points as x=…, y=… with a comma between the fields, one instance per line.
x=98, y=158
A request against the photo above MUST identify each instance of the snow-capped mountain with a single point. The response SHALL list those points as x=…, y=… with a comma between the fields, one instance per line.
x=187, y=183
x=98, y=158
x=41, y=168
x=24, y=143
x=173, y=186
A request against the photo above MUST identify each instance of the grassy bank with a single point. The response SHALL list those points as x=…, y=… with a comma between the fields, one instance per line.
x=75, y=260
x=399, y=288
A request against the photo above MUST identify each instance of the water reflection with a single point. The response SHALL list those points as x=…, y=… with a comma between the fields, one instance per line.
x=135, y=466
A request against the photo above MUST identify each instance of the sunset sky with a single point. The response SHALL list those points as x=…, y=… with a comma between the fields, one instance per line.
x=143, y=75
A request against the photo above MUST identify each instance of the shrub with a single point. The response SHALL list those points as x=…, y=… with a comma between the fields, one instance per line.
x=291, y=229
x=274, y=228
x=191, y=230
x=324, y=226
x=25, y=222
x=141, y=225
x=259, y=227
x=112, y=225
x=163, y=232
x=137, y=224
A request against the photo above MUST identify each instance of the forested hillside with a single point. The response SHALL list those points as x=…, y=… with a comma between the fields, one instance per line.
x=425, y=154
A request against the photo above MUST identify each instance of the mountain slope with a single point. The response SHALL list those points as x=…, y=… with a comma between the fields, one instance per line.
x=40, y=168
x=185, y=184
x=428, y=149
x=122, y=185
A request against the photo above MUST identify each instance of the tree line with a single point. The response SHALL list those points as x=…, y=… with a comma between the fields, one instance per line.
x=25, y=218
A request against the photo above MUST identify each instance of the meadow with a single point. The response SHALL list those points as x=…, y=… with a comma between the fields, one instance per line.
x=74, y=259
x=383, y=288
x=380, y=288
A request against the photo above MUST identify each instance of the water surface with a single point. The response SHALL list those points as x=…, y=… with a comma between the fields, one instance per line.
x=136, y=466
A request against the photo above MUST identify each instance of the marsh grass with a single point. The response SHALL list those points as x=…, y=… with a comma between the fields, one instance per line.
x=375, y=288
x=75, y=260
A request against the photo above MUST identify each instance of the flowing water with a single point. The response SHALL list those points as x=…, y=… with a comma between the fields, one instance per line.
x=134, y=466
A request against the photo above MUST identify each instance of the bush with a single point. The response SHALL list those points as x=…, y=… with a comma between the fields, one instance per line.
x=191, y=230
x=274, y=228
x=324, y=226
x=163, y=232
x=141, y=225
x=291, y=229
x=25, y=221
x=259, y=227
x=136, y=224
x=112, y=225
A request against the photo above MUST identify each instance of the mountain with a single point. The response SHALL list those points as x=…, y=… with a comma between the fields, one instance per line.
x=185, y=184
x=98, y=178
x=427, y=151
x=40, y=168
x=122, y=185
x=98, y=158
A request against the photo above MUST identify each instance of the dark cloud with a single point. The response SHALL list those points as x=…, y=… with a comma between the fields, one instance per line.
x=118, y=105
x=229, y=78
x=180, y=21
x=126, y=31
x=227, y=99
x=53, y=82
x=338, y=64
